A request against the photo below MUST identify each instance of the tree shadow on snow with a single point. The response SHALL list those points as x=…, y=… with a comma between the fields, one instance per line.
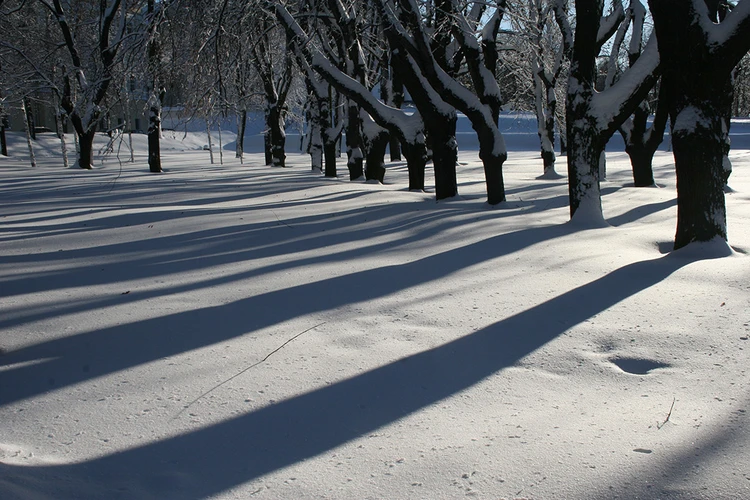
x=224, y=455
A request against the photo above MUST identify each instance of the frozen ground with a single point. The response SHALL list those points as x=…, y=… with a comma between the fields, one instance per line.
x=240, y=331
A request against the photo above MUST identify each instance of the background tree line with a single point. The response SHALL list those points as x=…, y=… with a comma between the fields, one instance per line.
x=343, y=68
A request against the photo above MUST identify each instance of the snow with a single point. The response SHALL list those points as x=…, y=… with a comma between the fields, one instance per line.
x=245, y=331
x=689, y=120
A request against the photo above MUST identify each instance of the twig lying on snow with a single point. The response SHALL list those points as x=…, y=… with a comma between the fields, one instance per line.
x=660, y=425
x=246, y=369
x=281, y=221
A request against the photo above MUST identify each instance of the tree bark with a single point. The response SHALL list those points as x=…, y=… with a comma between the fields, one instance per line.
x=241, y=125
x=698, y=83
x=154, y=132
x=276, y=135
x=86, y=150
x=376, y=144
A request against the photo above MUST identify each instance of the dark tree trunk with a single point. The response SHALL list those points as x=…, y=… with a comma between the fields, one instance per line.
x=641, y=159
x=354, y=142
x=375, y=157
x=276, y=135
x=397, y=99
x=3, y=125
x=155, y=100
x=267, y=145
x=697, y=73
x=327, y=134
x=3, y=143
x=241, y=126
x=416, y=162
x=701, y=211
x=154, y=129
x=86, y=149
x=30, y=118
x=442, y=140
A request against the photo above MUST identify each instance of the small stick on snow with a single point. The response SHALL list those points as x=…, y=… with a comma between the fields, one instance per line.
x=660, y=425
x=281, y=221
x=246, y=369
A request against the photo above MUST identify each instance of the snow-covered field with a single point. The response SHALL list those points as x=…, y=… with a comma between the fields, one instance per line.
x=240, y=331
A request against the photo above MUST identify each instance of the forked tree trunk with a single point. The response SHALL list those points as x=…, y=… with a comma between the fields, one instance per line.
x=698, y=83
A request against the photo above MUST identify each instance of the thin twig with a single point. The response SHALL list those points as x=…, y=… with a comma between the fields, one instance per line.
x=660, y=425
x=281, y=221
x=246, y=369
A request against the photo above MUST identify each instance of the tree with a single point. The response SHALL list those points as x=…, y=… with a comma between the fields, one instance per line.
x=430, y=68
x=593, y=117
x=90, y=77
x=408, y=128
x=547, y=64
x=642, y=140
x=699, y=52
x=156, y=89
x=274, y=70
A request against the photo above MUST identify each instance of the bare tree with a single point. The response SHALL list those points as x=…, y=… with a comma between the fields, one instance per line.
x=699, y=52
x=91, y=77
x=593, y=117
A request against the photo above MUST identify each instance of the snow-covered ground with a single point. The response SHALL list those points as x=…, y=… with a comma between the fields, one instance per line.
x=240, y=331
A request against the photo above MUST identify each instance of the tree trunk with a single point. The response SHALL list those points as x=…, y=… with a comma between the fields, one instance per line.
x=641, y=160
x=416, y=162
x=698, y=152
x=327, y=135
x=61, y=135
x=154, y=130
x=3, y=126
x=584, y=153
x=697, y=73
x=442, y=139
x=241, y=125
x=277, y=135
x=268, y=156
x=375, y=158
x=86, y=149
x=354, y=142
x=3, y=141
x=221, y=145
x=210, y=143
x=32, y=158
x=397, y=100
x=30, y=123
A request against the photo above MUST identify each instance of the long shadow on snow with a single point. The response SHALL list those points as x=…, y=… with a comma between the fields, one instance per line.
x=78, y=358
x=226, y=245
x=221, y=456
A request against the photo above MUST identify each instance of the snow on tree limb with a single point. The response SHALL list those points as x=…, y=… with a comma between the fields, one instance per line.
x=620, y=99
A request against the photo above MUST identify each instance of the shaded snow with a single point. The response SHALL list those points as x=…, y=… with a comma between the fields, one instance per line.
x=247, y=331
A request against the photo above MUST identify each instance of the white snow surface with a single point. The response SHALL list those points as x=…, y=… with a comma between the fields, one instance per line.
x=243, y=331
